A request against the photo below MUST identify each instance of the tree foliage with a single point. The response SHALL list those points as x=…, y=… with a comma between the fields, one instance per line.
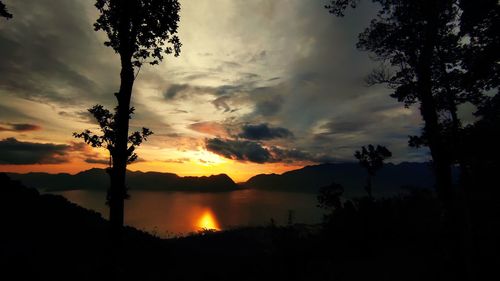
x=463, y=60
x=372, y=158
x=149, y=33
x=480, y=25
x=4, y=12
x=329, y=197
x=338, y=7
x=107, y=138
x=439, y=54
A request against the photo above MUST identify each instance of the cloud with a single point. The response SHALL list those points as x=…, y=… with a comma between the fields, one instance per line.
x=17, y=152
x=96, y=161
x=177, y=160
x=175, y=89
x=296, y=155
x=210, y=128
x=297, y=68
x=252, y=151
x=20, y=127
x=270, y=105
x=239, y=150
x=54, y=58
x=264, y=132
x=88, y=154
x=178, y=91
x=221, y=103
x=81, y=116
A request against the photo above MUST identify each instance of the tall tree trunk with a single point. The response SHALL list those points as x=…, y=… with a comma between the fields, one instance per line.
x=441, y=155
x=428, y=110
x=118, y=191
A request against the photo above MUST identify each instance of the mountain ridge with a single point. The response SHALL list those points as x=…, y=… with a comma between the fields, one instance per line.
x=389, y=180
x=308, y=179
x=98, y=179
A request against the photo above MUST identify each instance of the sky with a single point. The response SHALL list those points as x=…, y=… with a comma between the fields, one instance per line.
x=260, y=86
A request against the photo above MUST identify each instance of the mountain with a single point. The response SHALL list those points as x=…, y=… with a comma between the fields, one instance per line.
x=309, y=179
x=97, y=179
x=352, y=176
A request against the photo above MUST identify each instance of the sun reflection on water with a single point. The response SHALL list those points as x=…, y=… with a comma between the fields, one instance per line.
x=208, y=221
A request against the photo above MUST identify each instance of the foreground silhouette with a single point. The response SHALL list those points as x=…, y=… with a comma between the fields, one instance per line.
x=44, y=237
x=372, y=159
x=442, y=54
x=138, y=31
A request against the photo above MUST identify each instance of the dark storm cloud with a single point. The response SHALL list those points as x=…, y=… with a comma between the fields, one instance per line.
x=264, y=132
x=17, y=152
x=239, y=150
x=96, y=161
x=345, y=126
x=175, y=89
x=292, y=155
x=20, y=127
x=377, y=120
x=347, y=132
x=224, y=95
x=252, y=151
x=24, y=127
x=270, y=105
x=52, y=56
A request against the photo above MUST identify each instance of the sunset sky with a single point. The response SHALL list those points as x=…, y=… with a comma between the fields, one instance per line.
x=260, y=87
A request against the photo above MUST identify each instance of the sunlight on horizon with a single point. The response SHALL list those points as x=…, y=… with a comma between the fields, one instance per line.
x=207, y=158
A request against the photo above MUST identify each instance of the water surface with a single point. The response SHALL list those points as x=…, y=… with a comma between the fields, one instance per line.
x=178, y=213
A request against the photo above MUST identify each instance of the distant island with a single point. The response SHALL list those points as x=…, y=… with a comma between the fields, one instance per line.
x=98, y=179
x=390, y=180
x=309, y=179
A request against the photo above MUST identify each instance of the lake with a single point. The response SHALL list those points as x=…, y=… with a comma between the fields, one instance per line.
x=169, y=214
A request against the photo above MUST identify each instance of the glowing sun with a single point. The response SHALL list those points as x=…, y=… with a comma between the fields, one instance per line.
x=208, y=221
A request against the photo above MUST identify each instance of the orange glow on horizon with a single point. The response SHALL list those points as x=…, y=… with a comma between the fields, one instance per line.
x=208, y=221
x=196, y=163
x=238, y=171
x=70, y=168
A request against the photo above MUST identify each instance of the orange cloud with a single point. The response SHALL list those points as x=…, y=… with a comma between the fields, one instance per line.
x=210, y=128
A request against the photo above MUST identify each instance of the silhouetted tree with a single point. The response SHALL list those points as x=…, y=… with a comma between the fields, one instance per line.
x=107, y=139
x=3, y=11
x=372, y=159
x=420, y=49
x=479, y=150
x=329, y=196
x=439, y=54
x=140, y=31
x=478, y=156
x=480, y=24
